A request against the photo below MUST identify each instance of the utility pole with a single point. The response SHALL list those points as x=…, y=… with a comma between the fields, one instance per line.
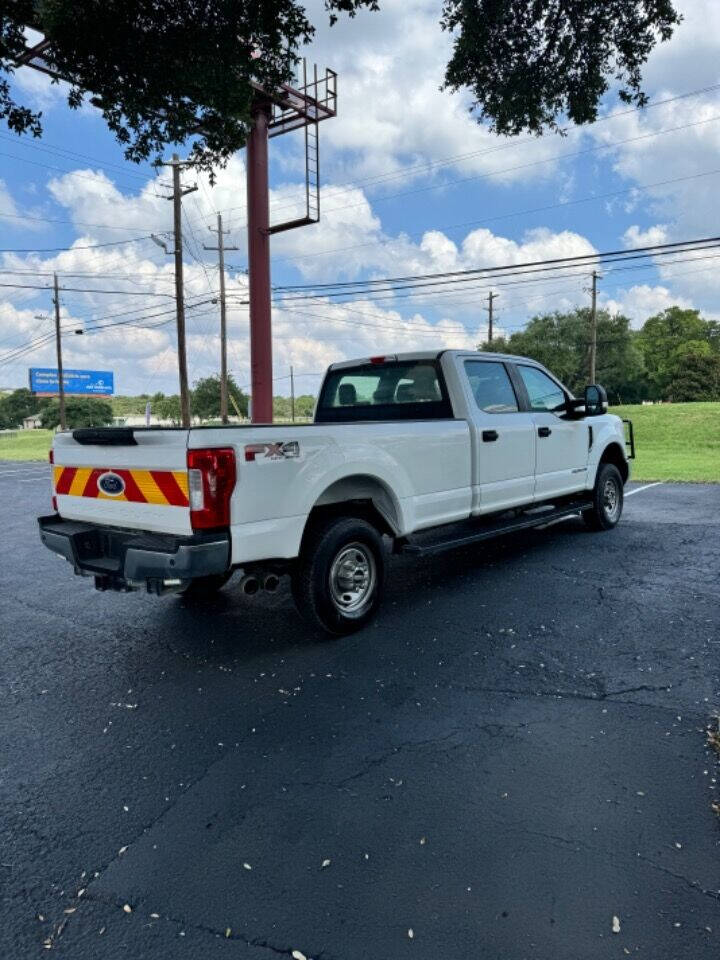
x=593, y=326
x=176, y=197
x=221, y=248
x=58, y=344
x=292, y=394
x=492, y=297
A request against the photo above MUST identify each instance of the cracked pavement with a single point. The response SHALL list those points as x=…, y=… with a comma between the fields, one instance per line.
x=509, y=757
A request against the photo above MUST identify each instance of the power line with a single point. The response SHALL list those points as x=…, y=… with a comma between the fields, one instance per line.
x=346, y=288
x=90, y=246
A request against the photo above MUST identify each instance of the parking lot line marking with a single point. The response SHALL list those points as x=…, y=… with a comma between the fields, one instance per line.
x=24, y=473
x=647, y=486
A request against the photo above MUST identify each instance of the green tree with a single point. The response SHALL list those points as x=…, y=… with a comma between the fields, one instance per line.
x=697, y=378
x=304, y=406
x=15, y=406
x=529, y=63
x=671, y=342
x=167, y=408
x=79, y=412
x=561, y=341
x=168, y=71
x=206, y=398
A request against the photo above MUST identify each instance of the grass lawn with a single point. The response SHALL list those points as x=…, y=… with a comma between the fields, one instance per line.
x=676, y=441
x=25, y=445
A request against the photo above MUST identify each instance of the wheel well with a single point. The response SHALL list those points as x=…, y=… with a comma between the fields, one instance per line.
x=359, y=496
x=614, y=454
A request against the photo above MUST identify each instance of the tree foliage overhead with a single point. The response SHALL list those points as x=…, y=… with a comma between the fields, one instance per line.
x=531, y=62
x=172, y=71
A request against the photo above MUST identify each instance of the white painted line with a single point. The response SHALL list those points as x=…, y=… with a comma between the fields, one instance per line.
x=647, y=486
x=24, y=473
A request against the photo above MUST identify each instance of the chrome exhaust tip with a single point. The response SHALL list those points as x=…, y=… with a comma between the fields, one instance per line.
x=271, y=581
x=250, y=585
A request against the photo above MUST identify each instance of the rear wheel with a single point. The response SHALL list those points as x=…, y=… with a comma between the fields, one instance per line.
x=203, y=588
x=337, y=585
x=607, y=499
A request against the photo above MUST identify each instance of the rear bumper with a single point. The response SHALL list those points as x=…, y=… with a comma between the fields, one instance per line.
x=128, y=559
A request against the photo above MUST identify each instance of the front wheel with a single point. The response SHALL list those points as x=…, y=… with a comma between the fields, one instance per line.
x=337, y=585
x=607, y=499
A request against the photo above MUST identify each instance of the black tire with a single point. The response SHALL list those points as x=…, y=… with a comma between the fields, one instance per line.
x=204, y=588
x=607, y=499
x=338, y=582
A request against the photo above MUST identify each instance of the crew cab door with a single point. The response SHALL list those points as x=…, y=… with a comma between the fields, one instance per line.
x=503, y=439
x=562, y=446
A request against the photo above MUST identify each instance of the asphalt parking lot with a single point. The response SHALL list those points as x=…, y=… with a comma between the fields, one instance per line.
x=510, y=763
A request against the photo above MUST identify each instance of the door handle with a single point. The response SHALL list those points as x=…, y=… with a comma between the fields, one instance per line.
x=544, y=431
x=489, y=435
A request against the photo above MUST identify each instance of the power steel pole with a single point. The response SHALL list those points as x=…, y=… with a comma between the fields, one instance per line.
x=491, y=299
x=292, y=394
x=258, y=211
x=221, y=248
x=58, y=344
x=593, y=326
x=177, y=195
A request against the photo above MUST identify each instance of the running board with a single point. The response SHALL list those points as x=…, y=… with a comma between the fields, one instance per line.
x=474, y=531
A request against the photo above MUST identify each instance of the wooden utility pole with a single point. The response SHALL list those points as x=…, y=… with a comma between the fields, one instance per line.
x=176, y=197
x=292, y=394
x=593, y=326
x=221, y=248
x=491, y=299
x=58, y=344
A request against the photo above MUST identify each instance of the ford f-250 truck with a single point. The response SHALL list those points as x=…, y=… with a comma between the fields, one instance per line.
x=421, y=452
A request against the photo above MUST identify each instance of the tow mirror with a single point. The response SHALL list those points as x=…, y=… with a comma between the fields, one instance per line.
x=595, y=400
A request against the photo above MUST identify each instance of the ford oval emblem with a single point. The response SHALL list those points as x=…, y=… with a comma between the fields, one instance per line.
x=111, y=484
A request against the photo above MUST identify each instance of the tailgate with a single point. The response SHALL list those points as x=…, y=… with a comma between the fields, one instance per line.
x=124, y=478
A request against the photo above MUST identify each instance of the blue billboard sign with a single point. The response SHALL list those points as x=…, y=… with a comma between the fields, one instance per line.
x=83, y=383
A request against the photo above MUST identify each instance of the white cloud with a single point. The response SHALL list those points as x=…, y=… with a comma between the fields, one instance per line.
x=392, y=112
x=635, y=236
x=7, y=204
x=643, y=301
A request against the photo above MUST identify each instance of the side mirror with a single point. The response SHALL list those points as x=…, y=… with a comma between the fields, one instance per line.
x=595, y=400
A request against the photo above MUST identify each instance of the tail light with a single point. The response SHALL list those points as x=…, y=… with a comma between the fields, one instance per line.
x=211, y=481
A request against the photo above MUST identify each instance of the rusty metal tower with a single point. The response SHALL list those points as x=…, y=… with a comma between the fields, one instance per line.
x=289, y=108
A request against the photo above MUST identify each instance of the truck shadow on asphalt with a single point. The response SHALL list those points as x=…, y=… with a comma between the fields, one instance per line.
x=231, y=626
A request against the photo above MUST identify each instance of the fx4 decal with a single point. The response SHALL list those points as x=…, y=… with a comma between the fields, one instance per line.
x=272, y=451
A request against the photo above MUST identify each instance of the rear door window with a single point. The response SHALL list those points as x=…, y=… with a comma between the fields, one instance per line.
x=394, y=390
x=491, y=386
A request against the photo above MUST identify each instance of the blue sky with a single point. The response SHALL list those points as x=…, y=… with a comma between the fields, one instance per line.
x=410, y=184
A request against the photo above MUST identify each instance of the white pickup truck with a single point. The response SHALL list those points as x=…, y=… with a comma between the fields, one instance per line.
x=420, y=452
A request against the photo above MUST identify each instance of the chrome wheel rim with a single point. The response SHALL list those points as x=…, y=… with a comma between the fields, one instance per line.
x=611, y=499
x=353, y=576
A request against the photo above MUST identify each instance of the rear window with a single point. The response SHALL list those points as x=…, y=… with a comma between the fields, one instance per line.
x=411, y=390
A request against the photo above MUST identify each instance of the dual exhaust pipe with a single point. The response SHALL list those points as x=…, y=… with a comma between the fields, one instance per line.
x=252, y=583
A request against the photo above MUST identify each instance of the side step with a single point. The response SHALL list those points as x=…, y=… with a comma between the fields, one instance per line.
x=460, y=535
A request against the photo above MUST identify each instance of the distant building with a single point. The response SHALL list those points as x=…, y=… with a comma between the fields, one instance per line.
x=32, y=422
